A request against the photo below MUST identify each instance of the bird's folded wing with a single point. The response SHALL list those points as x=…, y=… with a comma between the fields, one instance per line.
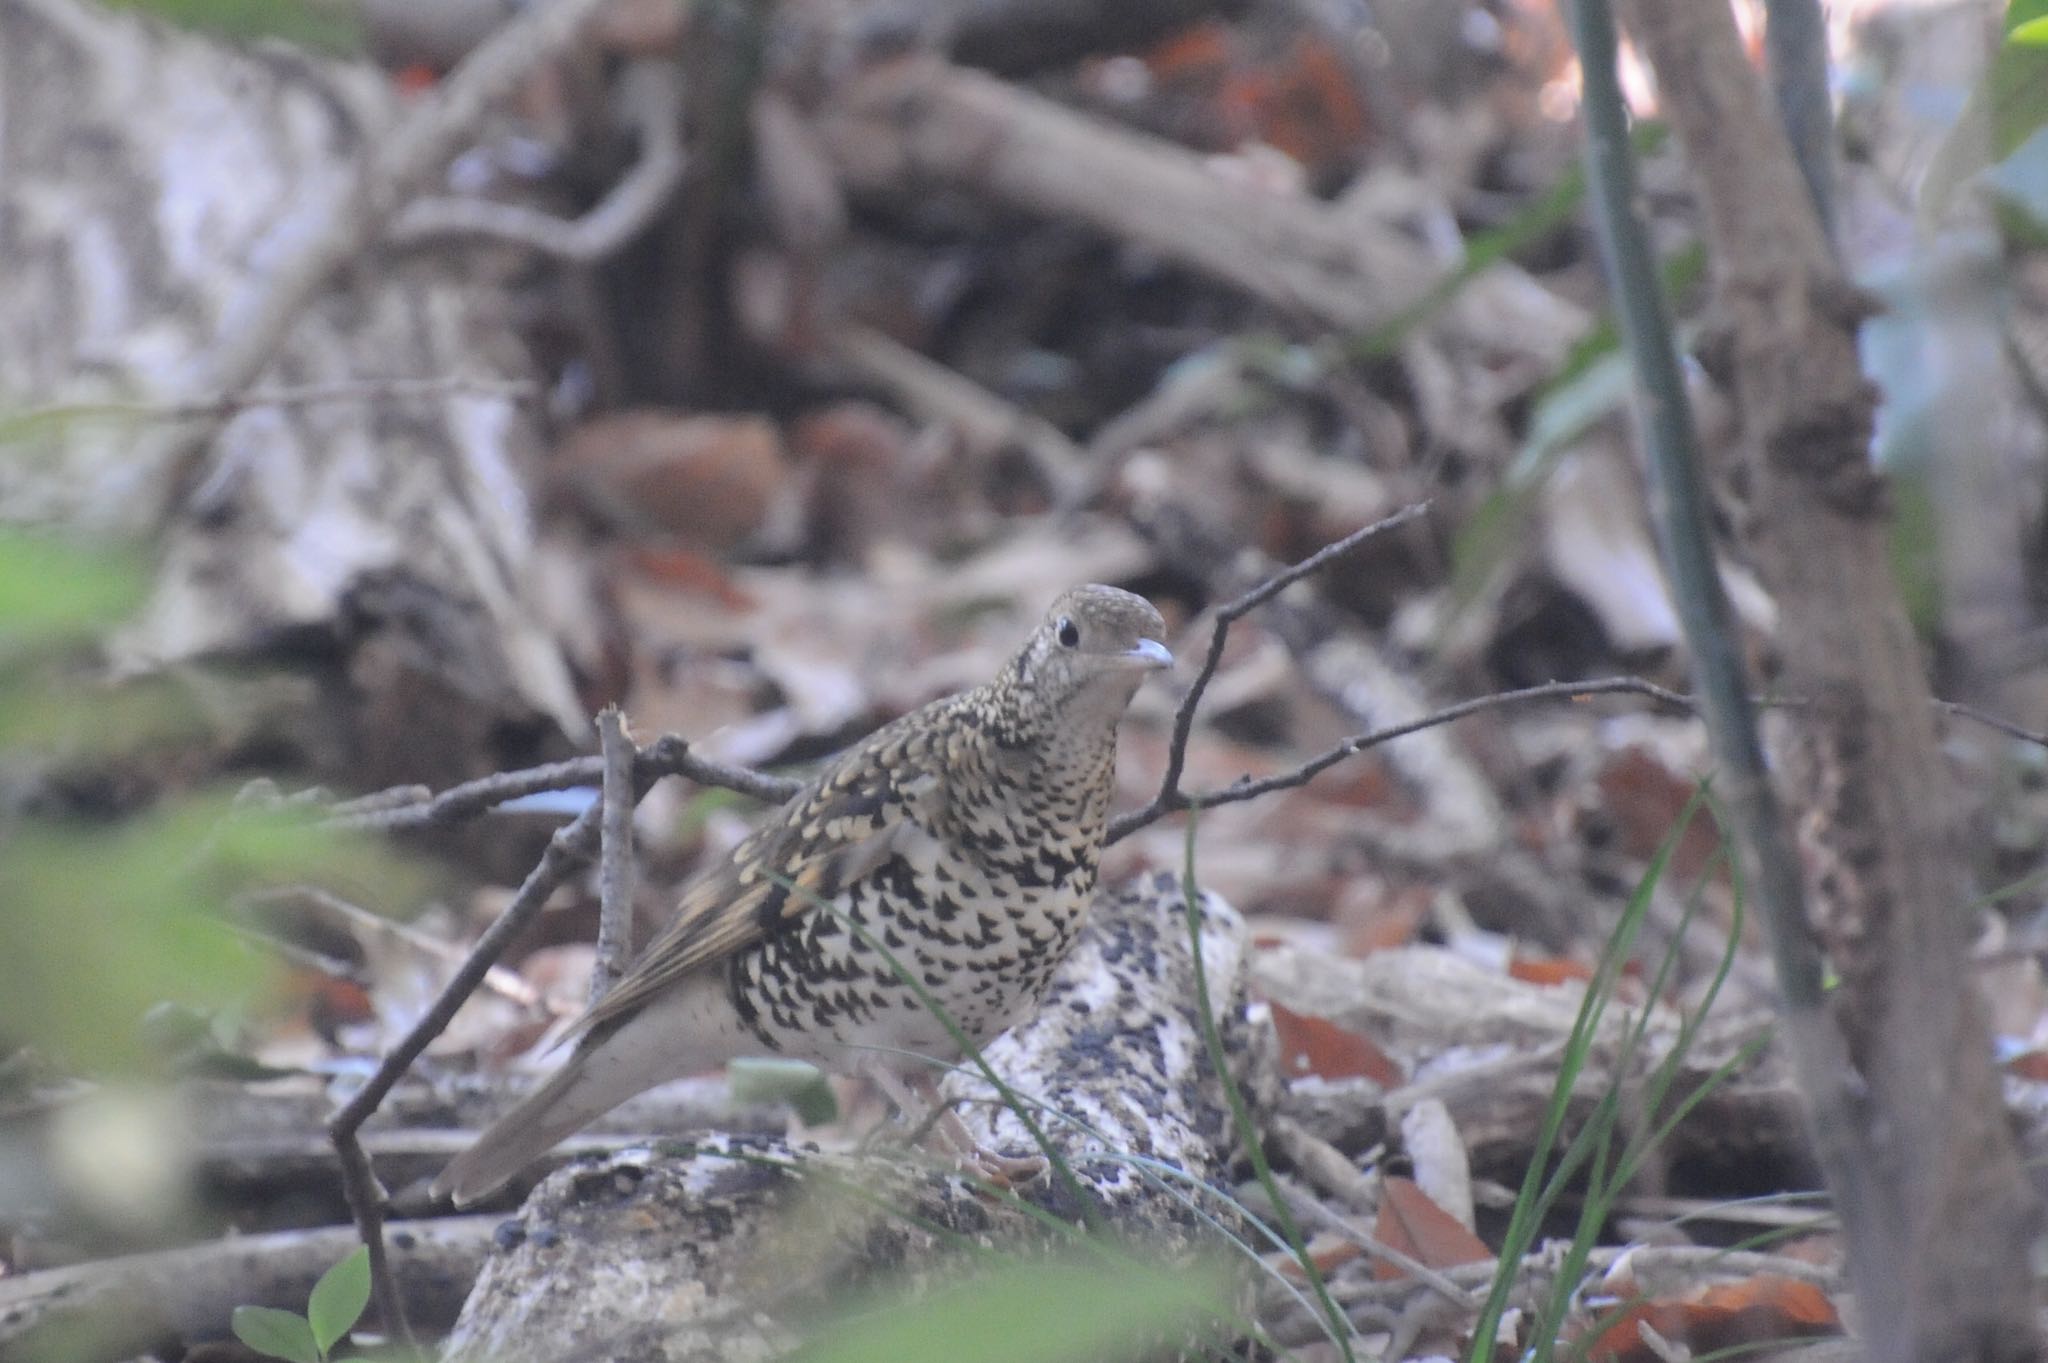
x=832, y=834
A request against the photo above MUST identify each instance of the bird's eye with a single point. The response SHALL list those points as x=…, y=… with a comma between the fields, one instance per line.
x=1069, y=633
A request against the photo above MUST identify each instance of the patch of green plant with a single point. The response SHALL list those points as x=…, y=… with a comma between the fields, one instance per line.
x=56, y=590
x=107, y=922
x=776, y=1079
x=327, y=26
x=333, y=1307
x=1028, y=1312
x=1997, y=134
x=1608, y=1159
x=110, y=919
x=1538, y=218
x=1248, y=1134
x=1594, y=385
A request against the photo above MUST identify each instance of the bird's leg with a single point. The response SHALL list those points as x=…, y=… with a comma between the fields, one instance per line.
x=918, y=1100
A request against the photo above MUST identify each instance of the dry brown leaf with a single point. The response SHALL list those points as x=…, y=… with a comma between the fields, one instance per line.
x=1413, y=1224
x=1723, y=1316
x=1316, y=1046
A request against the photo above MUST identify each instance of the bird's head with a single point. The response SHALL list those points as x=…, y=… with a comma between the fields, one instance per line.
x=1095, y=645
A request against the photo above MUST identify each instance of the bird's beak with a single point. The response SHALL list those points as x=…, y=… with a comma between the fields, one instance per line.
x=1148, y=656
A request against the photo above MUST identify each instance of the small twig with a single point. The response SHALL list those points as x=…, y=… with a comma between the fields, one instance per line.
x=1170, y=799
x=222, y=406
x=668, y=755
x=650, y=94
x=1174, y=800
x=570, y=846
x=615, y=856
x=1306, y=1204
x=1323, y=1164
x=1989, y=721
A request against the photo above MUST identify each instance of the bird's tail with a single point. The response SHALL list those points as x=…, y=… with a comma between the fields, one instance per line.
x=572, y=1097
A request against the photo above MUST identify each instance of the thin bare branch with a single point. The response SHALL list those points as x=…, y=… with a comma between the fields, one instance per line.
x=669, y=755
x=221, y=406
x=1247, y=789
x=615, y=857
x=1991, y=721
x=568, y=848
x=1169, y=797
x=650, y=93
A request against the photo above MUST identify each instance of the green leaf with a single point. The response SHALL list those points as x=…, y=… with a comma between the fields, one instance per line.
x=275, y=1333
x=1594, y=386
x=321, y=25
x=338, y=1299
x=1032, y=1313
x=104, y=923
x=53, y=588
x=1538, y=218
x=772, y=1080
x=2005, y=108
x=2023, y=14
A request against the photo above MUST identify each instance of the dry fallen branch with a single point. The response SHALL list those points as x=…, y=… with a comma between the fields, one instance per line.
x=906, y=125
x=127, y=1306
x=333, y=232
x=223, y=406
x=650, y=95
x=985, y=421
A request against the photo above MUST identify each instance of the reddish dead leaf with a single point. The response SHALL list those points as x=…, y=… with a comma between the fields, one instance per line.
x=1373, y=918
x=867, y=480
x=325, y=1002
x=1644, y=798
x=689, y=571
x=1411, y=1222
x=1547, y=969
x=2029, y=1065
x=1310, y=1045
x=1200, y=50
x=1762, y=1309
x=1303, y=103
x=517, y=1040
x=1327, y=1252
x=706, y=479
x=1365, y=783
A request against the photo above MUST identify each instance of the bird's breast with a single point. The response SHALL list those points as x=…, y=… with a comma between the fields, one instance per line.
x=978, y=913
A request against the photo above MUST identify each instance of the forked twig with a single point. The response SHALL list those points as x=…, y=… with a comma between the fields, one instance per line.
x=568, y=848
x=1170, y=798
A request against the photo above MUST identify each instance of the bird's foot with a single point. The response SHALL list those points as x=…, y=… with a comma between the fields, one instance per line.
x=979, y=1161
x=918, y=1100
x=1004, y=1171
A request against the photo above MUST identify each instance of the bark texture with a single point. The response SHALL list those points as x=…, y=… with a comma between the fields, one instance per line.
x=369, y=540
x=1939, y=1249
x=717, y=1253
